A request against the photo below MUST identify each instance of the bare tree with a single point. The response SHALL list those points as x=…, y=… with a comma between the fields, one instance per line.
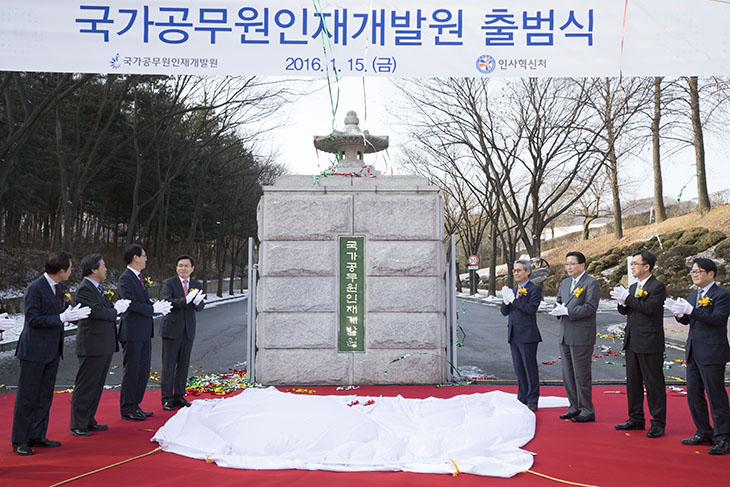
x=703, y=197
x=659, y=211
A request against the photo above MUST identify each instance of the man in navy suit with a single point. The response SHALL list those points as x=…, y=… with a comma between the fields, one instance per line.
x=39, y=349
x=178, y=331
x=96, y=342
x=643, y=304
x=706, y=311
x=520, y=305
x=135, y=333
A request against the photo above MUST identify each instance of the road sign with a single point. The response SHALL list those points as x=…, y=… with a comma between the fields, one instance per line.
x=472, y=267
x=473, y=260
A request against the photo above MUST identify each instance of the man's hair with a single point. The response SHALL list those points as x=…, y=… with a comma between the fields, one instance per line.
x=647, y=257
x=525, y=264
x=131, y=251
x=578, y=255
x=183, y=257
x=706, y=265
x=59, y=261
x=90, y=263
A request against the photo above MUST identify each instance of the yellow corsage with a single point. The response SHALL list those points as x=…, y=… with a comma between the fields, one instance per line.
x=577, y=292
x=641, y=293
x=522, y=292
x=147, y=282
x=109, y=294
x=191, y=290
x=704, y=301
x=67, y=296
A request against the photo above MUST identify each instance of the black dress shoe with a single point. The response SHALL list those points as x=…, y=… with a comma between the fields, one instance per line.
x=23, y=449
x=43, y=442
x=98, y=427
x=183, y=402
x=78, y=432
x=721, y=447
x=569, y=415
x=532, y=407
x=146, y=414
x=697, y=440
x=655, y=431
x=629, y=425
x=135, y=416
x=583, y=419
x=169, y=406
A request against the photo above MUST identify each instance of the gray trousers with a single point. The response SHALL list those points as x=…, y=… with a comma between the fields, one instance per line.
x=577, y=360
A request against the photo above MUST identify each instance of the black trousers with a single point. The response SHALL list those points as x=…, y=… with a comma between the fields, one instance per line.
x=136, y=356
x=88, y=387
x=524, y=361
x=33, y=400
x=710, y=379
x=175, y=365
x=646, y=369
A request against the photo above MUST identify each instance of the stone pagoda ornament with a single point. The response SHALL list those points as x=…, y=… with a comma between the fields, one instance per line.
x=350, y=145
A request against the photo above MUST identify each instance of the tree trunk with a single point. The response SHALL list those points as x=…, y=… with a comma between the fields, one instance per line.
x=703, y=198
x=493, y=262
x=660, y=213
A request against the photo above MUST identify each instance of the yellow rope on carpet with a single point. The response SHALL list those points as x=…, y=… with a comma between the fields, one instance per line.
x=456, y=467
x=108, y=467
x=559, y=480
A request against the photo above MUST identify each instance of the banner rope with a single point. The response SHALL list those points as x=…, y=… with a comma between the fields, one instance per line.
x=567, y=482
x=108, y=466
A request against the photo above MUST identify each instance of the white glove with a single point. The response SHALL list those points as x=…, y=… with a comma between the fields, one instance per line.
x=200, y=297
x=75, y=314
x=507, y=295
x=684, y=307
x=620, y=293
x=674, y=307
x=6, y=323
x=560, y=310
x=163, y=307
x=121, y=305
x=191, y=295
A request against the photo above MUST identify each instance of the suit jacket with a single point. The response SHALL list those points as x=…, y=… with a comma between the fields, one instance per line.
x=522, y=312
x=645, y=318
x=579, y=327
x=182, y=316
x=707, y=338
x=137, y=320
x=42, y=337
x=97, y=334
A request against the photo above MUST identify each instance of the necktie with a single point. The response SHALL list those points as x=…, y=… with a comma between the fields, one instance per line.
x=699, y=296
x=572, y=285
x=638, y=289
x=185, y=286
x=141, y=280
x=58, y=296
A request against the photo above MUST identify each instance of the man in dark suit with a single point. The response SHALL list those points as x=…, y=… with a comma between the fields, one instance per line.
x=135, y=333
x=577, y=300
x=520, y=305
x=39, y=349
x=96, y=342
x=706, y=311
x=643, y=304
x=178, y=331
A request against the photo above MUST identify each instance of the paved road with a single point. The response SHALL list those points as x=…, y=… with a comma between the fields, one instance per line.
x=220, y=344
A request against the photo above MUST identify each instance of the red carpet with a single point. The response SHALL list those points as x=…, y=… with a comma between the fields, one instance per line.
x=592, y=453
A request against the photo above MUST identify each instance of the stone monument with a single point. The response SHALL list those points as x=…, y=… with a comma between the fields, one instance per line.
x=351, y=287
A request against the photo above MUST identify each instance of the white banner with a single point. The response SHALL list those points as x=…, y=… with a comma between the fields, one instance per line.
x=373, y=38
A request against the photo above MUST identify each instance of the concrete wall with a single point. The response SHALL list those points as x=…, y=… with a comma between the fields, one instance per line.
x=402, y=221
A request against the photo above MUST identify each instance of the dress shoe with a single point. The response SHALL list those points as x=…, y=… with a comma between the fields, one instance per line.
x=134, y=416
x=629, y=425
x=43, y=442
x=169, y=406
x=697, y=440
x=655, y=431
x=78, y=432
x=184, y=402
x=721, y=447
x=569, y=415
x=583, y=419
x=532, y=407
x=23, y=449
x=146, y=414
x=98, y=427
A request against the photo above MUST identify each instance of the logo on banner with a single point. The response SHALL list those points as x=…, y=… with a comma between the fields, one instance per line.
x=114, y=62
x=486, y=64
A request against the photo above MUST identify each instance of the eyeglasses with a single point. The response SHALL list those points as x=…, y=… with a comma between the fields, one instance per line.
x=638, y=263
x=695, y=272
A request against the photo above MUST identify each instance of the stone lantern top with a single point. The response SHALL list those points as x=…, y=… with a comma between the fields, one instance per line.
x=351, y=143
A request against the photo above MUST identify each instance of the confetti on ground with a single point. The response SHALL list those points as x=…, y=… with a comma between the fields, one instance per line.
x=299, y=390
x=549, y=362
x=218, y=384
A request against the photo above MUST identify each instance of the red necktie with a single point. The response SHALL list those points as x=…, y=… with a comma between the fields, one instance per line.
x=58, y=296
x=141, y=280
x=185, y=286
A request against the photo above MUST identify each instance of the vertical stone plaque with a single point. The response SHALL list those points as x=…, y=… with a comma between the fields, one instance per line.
x=351, y=290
